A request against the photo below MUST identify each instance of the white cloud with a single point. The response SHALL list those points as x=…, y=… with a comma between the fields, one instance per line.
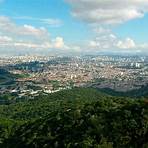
x=4, y=39
x=127, y=44
x=18, y=38
x=108, y=11
x=48, y=21
x=31, y=30
x=111, y=42
x=59, y=43
x=104, y=41
x=94, y=44
x=8, y=27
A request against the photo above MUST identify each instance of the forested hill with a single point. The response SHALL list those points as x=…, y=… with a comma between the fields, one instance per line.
x=142, y=92
x=75, y=118
x=44, y=104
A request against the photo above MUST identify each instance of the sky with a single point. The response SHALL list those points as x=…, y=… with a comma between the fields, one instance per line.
x=73, y=26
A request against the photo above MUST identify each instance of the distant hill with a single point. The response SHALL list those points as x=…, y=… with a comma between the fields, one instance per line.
x=142, y=92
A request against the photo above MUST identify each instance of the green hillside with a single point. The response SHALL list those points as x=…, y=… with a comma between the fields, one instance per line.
x=44, y=104
x=81, y=117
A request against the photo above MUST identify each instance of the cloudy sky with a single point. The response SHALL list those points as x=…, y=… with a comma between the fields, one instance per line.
x=81, y=26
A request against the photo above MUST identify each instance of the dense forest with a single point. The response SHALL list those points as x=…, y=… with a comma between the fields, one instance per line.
x=81, y=117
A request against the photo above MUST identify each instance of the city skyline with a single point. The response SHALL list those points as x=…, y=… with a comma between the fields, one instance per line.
x=73, y=26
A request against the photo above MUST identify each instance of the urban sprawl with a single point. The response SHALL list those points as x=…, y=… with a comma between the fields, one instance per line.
x=32, y=75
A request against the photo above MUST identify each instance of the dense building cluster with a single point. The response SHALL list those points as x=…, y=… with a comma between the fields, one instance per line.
x=37, y=74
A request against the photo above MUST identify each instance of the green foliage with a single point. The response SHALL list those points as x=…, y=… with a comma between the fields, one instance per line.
x=44, y=104
x=22, y=75
x=81, y=118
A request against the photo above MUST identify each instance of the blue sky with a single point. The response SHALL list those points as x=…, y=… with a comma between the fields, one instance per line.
x=136, y=29
x=55, y=9
x=73, y=25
